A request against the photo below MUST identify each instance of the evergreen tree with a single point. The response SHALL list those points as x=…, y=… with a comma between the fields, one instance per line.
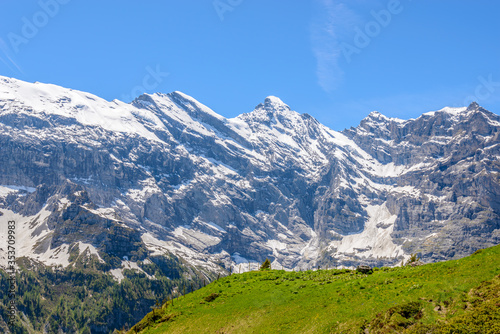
x=266, y=265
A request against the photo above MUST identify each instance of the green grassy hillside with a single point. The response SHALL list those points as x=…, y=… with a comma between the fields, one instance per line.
x=460, y=296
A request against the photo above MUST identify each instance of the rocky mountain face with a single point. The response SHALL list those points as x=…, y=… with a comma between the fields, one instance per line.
x=124, y=183
x=450, y=206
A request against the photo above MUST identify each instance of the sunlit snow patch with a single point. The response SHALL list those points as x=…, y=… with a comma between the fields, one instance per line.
x=375, y=240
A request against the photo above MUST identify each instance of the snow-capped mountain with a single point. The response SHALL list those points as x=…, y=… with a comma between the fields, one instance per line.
x=166, y=174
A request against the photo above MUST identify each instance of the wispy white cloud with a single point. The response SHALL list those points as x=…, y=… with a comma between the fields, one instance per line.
x=334, y=22
x=325, y=45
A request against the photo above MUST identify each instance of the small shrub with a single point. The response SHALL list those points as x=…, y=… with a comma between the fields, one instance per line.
x=397, y=318
x=364, y=269
x=211, y=297
x=413, y=259
x=477, y=252
x=266, y=265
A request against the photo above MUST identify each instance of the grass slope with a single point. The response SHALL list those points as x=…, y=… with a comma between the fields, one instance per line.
x=460, y=296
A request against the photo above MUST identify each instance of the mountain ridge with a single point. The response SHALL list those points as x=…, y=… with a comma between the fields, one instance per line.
x=270, y=183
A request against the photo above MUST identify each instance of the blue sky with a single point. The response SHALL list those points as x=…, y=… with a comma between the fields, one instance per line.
x=336, y=60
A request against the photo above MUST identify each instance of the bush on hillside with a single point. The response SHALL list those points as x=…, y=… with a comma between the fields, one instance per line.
x=266, y=265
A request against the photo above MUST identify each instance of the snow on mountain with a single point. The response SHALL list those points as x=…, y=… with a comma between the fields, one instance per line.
x=167, y=175
x=45, y=100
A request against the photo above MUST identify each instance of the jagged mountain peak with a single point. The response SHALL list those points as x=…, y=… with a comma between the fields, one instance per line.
x=376, y=116
x=182, y=95
x=452, y=111
x=473, y=106
x=181, y=101
x=271, y=113
x=273, y=106
x=275, y=103
x=464, y=117
x=455, y=114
